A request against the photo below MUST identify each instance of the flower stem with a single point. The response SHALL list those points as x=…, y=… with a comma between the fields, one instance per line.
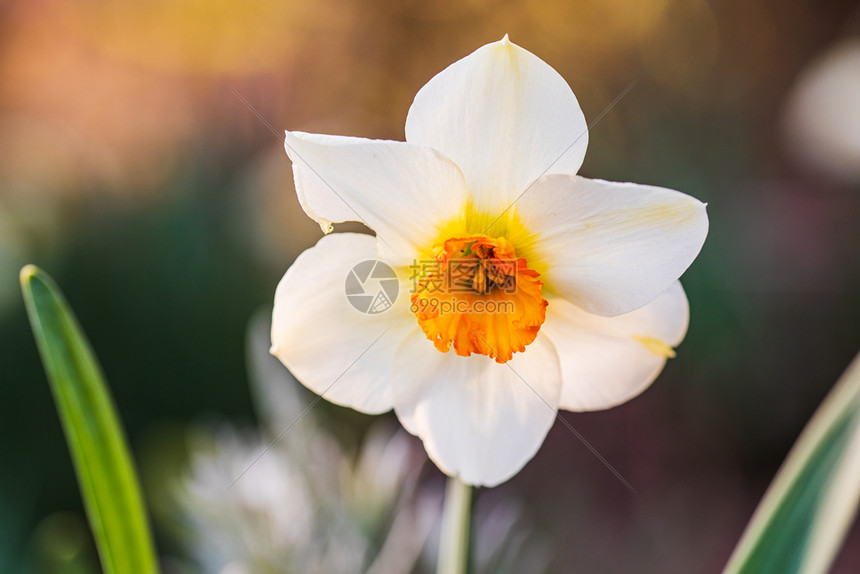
x=454, y=543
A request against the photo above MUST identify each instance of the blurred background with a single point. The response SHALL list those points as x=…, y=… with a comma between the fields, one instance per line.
x=165, y=209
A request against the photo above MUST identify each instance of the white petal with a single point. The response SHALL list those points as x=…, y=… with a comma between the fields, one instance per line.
x=505, y=117
x=479, y=420
x=332, y=348
x=606, y=361
x=403, y=192
x=609, y=247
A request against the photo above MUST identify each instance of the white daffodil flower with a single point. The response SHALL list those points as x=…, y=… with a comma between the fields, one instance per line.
x=524, y=288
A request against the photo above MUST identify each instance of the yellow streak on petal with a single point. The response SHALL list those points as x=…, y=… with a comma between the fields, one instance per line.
x=680, y=213
x=506, y=49
x=655, y=346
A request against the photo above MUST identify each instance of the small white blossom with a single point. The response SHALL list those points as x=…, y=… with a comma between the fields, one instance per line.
x=307, y=505
x=823, y=113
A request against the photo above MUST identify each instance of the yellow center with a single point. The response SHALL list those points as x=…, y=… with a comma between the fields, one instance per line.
x=476, y=295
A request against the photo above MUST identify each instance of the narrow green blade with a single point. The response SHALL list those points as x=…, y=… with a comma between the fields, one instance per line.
x=806, y=512
x=100, y=454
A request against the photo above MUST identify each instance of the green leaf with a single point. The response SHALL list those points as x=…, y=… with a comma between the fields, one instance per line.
x=99, y=450
x=806, y=512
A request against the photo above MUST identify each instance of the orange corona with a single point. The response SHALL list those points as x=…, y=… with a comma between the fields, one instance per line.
x=479, y=297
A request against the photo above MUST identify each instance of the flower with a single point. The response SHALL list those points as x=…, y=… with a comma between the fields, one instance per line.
x=532, y=289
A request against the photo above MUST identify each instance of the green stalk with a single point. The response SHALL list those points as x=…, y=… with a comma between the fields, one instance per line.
x=801, y=523
x=454, y=543
x=96, y=440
